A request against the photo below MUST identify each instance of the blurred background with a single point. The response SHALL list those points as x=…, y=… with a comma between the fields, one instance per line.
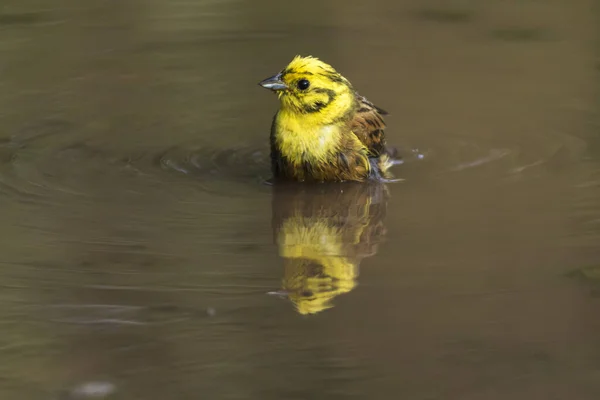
x=143, y=257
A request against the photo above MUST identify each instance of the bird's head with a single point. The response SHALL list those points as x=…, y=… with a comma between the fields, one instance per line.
x=307, y=85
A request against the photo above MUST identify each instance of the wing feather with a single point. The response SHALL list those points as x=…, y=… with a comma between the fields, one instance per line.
x=368, y=125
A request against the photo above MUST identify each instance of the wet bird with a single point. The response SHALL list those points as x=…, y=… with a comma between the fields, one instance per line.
x=324, y=130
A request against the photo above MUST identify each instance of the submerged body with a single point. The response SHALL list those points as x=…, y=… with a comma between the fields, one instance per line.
x=324, y=130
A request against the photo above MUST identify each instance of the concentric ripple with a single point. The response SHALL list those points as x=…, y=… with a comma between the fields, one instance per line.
x=49, y=159
x=41, y=164
x=241, y=163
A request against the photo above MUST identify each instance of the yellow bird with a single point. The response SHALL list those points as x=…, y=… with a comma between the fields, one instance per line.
x=324, y=130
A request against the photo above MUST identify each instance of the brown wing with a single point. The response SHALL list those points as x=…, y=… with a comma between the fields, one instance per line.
x=368, y=125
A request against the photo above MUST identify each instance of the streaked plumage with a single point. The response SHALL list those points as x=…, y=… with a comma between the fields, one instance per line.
x=324, y=130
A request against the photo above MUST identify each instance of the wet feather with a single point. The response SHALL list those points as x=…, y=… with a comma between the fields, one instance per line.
x=324, y=130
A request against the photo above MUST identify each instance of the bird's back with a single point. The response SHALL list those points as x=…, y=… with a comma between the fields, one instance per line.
x=368, y=125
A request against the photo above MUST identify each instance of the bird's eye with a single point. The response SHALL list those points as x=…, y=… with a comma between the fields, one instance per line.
x=303, y=84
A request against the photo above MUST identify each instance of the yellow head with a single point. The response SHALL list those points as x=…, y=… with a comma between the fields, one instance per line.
x=307, y=85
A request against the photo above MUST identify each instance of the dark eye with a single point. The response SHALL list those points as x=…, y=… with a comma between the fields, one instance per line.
x=303, y=84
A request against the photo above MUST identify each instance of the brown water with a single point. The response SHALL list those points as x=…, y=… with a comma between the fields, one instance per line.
x=143, y=258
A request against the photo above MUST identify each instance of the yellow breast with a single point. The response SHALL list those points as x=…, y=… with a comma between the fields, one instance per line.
x=305, y=140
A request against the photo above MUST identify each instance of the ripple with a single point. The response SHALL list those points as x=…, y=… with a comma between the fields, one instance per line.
x=492, y=155
x=224, y=171
x=48, y=160
x=103, y=315
x=497, y=159
x=25, y=18
x=44, y=174
x=41, y=168
x=93, y=389
x=238, y=163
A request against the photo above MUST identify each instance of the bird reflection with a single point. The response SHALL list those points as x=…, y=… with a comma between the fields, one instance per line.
x=323, y=232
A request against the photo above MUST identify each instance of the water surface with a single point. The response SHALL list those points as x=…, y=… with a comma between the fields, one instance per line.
x=143, y=257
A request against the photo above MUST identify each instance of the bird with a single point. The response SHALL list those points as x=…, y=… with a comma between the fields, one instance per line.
x=324, y=130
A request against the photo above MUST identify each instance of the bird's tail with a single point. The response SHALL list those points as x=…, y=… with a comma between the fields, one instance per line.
x=386, y=162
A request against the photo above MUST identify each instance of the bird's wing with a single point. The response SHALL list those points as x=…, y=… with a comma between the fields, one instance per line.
x=368, y=125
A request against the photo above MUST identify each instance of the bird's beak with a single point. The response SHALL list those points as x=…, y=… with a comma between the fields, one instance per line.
x=274, y=83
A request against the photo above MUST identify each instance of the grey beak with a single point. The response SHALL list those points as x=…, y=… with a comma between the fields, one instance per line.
x=274, y=83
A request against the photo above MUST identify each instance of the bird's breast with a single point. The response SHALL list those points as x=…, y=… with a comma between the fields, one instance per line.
x=300, y=141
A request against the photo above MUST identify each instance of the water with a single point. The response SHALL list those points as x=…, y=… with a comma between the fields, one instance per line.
x=143, y=257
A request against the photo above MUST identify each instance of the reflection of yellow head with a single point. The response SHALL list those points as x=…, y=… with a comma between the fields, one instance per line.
x=322, y=236
x=315, y=268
